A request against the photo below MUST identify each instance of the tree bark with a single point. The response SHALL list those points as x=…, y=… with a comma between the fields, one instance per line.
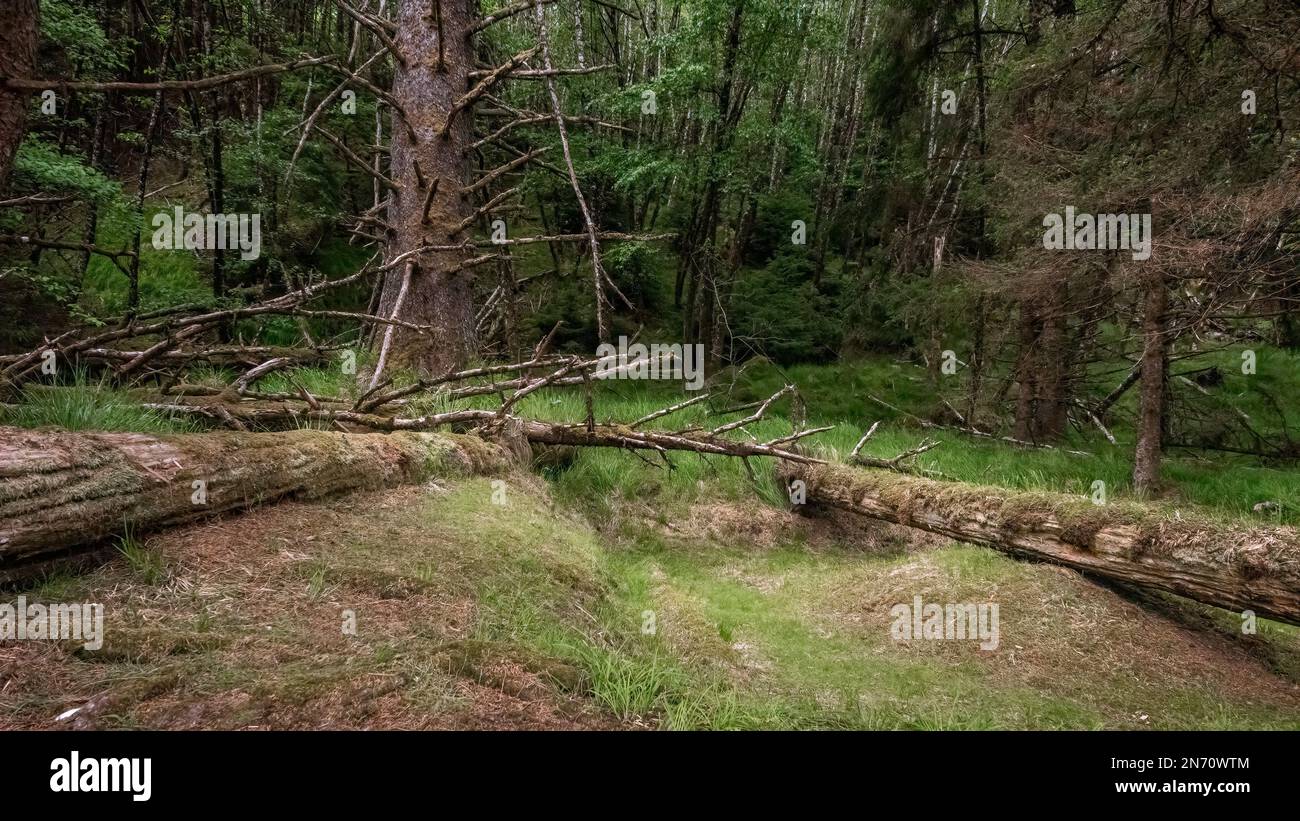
x=1235, y=567
x=1026, y=369
x=431, y=152
x=60, y=491
x=18, y=40
x=1054, y=364
x=1151, y=419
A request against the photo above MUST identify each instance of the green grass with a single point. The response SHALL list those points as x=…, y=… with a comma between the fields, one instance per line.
x=166, y=277
x=1223, y=484
x=797, y=638
x=80, y=404
x=745, y=638
x=326, y=381
x=145, y=563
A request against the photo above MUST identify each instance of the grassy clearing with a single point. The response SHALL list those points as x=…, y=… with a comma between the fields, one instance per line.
x=1223, y=484
x=804, y=638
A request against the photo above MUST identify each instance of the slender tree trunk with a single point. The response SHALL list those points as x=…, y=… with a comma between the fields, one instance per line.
x=1053, y=365
x=1025, y=373
x=142, y=187
x=976, y=360
x=217, y=184
x=91, y=228
x=1151, y=418
x=981, y=118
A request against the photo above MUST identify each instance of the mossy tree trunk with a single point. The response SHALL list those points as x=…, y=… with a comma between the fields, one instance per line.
x=18, y=39
x=62, y=491
x=1236, y=567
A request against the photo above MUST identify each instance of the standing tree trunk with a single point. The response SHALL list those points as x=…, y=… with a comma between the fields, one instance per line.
x=429, y=154
x=1151, y=419
x=1027, y=384
x=217, y=180
x=1054, y=358
x=18, y=38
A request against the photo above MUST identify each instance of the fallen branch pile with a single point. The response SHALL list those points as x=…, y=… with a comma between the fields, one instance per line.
x=62, y=494
x=168, y=341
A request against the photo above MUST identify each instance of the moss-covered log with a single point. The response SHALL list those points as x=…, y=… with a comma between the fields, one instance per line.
x=63, y=491
x=1239, y=567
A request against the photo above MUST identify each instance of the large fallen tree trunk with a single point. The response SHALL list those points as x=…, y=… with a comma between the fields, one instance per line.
x=1236, y=567
x=61, y=492
x=64, y=491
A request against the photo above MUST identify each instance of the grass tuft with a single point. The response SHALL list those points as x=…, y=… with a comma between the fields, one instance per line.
x=146, y=563
x=84, y=405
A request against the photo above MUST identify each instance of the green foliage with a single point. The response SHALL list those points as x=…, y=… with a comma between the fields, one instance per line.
x=635, y=269
x=782, y=315
x=40, y=166
x=74, y=29
x=773, y=225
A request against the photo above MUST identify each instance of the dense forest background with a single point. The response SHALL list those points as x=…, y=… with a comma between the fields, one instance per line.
x=848, y=204
x=826, y=179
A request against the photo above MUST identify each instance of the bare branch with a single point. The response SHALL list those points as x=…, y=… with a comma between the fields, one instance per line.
x=380, y=28
x=352, y=157
x=388, y=332
x=470, y=97
x=542, y=73
x=666, y=411
x=428, y=200
x=503, y=14
x=497, y=172
x=870, y=432
x=756, y=415
x=202, y=84
x=485, y=208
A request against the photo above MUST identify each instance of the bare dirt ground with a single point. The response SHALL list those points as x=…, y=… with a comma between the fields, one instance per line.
x=246, y=632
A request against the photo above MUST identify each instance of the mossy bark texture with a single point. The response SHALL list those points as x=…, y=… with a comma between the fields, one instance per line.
x=1238, y=567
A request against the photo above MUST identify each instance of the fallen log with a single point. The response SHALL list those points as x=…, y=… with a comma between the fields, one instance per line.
x=1238, y=567
x=61, y=492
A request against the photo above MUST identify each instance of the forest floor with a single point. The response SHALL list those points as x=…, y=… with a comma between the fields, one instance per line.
x=482, y=606
x=607, y=592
